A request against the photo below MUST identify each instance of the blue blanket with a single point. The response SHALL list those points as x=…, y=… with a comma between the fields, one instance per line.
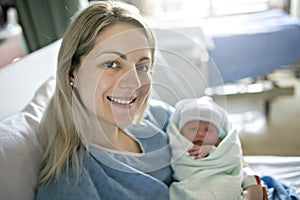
x=277, y=190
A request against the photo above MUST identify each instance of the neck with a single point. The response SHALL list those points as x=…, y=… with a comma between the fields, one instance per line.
x=112, y=137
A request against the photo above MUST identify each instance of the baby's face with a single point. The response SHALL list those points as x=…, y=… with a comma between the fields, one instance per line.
x=200, y=132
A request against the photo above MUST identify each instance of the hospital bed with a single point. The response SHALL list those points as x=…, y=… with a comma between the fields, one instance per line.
x=248, y=48
x=25, y=87
x=251, y=45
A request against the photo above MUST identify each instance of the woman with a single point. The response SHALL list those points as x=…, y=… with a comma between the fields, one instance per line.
x=98, y=141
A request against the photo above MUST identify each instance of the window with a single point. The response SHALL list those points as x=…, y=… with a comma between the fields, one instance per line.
x=204, y=8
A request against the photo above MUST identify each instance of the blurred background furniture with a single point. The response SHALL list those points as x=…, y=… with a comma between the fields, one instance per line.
x=252, y=45
x=12, y=42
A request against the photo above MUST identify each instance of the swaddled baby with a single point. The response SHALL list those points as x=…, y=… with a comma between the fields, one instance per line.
x=203, y=122
x=206, y=152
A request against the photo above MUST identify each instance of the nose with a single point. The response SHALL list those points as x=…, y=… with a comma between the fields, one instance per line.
x=201, y=133
x=130, y=79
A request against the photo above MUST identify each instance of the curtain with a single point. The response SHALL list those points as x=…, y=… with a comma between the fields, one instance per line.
x=44, y=21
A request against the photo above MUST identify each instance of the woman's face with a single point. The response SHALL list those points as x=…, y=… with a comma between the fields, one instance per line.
x=114, y=78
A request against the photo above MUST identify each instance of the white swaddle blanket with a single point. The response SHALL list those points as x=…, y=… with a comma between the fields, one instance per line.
x=217, y=176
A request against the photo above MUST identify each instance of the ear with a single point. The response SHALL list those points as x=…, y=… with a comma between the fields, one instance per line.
x=73, y=75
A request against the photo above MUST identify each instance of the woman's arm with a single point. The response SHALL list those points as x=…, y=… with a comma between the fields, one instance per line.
x=254, y=192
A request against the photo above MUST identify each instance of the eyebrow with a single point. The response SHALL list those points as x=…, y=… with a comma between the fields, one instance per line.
x=115, y=52
x=144, y=58
x=124, y=56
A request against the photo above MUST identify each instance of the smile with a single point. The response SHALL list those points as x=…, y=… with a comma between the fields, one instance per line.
x=121, y=101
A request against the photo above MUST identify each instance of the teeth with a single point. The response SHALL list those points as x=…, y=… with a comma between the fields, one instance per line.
x=120, y=101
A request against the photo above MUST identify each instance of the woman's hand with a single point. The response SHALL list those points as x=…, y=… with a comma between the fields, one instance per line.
x=255, y=192
x=200, y=151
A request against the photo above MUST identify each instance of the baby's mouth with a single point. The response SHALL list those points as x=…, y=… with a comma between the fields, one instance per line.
x=198, y=142
x=123, y=101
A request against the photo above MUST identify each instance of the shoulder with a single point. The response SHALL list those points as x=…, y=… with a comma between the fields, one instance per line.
x=159, y=112
x=153, y=127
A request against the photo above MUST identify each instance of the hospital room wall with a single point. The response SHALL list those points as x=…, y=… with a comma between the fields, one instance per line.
x=295, y=8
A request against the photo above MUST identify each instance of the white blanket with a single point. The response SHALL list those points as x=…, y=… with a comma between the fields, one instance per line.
x=217, y=176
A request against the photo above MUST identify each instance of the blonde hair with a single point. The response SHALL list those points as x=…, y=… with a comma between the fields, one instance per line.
x=58, y=131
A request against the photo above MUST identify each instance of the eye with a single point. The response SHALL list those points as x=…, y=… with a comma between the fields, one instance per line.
x=211, y=129
x=110, y=64
x=143, y=68
x=192, y=129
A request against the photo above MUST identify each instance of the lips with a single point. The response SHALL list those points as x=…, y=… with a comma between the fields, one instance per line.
x=122, y=100
x=198, y=142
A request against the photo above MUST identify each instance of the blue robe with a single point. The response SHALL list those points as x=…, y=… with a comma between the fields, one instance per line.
x=112, y=175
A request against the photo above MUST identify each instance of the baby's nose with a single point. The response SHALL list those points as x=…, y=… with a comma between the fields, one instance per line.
x=201, y=133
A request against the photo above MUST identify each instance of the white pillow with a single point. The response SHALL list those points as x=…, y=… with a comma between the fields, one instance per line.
x=20, y=151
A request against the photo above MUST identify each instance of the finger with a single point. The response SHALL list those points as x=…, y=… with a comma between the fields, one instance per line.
x=194, y=148
x=265, y=193
x=194, y=153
